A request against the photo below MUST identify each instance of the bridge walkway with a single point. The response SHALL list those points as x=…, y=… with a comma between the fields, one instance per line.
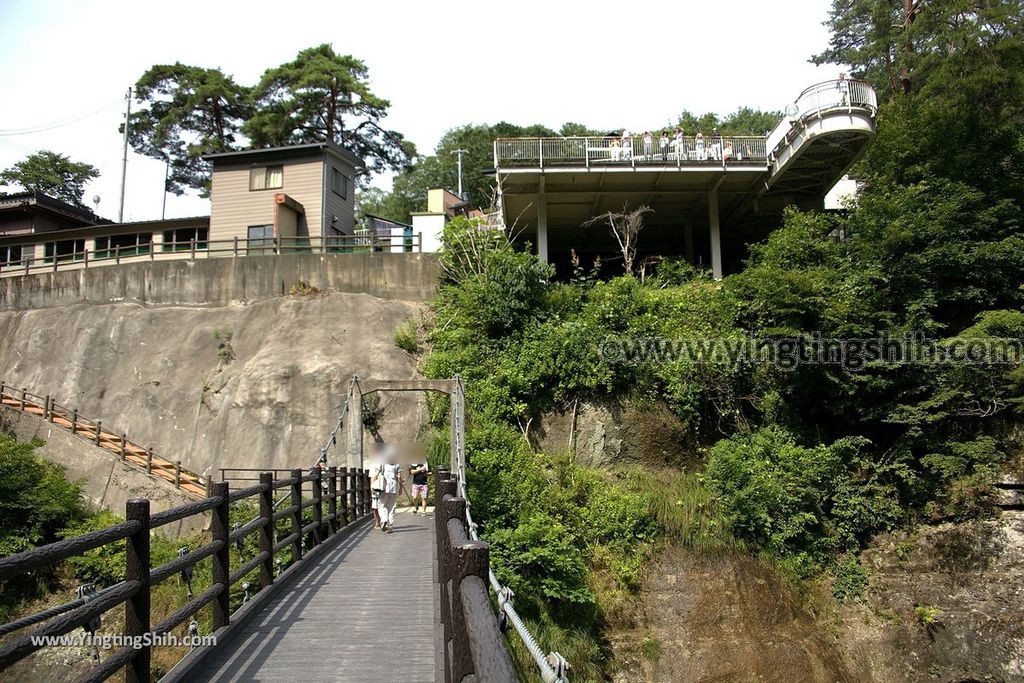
x=365, y=611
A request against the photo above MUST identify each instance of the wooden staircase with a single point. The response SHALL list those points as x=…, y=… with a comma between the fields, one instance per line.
x=131, y=453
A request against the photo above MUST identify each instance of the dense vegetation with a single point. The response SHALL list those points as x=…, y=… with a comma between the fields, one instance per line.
x=801, y=462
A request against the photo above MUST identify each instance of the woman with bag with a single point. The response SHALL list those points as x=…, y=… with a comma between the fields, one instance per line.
x=391, y=484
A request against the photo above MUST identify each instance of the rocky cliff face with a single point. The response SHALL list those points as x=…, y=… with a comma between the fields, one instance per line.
x=257, y=385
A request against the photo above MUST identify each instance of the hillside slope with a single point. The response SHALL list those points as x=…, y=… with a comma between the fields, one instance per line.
x=266, y=398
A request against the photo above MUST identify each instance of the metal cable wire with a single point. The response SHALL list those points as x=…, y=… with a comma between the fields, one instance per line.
x=547, y=672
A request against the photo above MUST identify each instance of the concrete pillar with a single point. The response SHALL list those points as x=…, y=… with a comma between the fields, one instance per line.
x=355, y=427
x=542, y=222
x=716, y=235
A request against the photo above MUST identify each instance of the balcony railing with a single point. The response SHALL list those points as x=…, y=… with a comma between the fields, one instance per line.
x=633, y=151
x=205, y=248
x=841, y=94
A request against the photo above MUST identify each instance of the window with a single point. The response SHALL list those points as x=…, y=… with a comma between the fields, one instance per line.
x=266, y=178
x=64, y=250
x=339, y=183
x=124, y=245
x=181, y=239
x=260, y=239
x=407, y=238
x=10, y=255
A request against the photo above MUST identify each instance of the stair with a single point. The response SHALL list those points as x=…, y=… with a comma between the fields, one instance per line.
x=131, y=453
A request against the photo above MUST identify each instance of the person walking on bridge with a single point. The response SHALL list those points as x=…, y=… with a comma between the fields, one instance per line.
x=391, y=475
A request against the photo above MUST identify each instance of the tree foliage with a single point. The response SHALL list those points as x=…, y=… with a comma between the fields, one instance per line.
x=323, y=96
x=53, y=174
x=185, y=112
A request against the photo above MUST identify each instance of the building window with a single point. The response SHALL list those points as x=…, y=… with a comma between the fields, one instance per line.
x=407, y=239
x=10, y=256
x=260, y=239
x=181, y=239
x=64, y=250
x=266, y=178
x=339, y=183
x=124, y=245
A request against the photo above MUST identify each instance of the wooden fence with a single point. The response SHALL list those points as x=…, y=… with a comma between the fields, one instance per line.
x=345, y=504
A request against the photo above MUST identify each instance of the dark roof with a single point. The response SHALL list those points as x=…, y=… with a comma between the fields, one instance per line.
x=293, y=151
x=23, y=200
x=387, y=220
x=105, y=230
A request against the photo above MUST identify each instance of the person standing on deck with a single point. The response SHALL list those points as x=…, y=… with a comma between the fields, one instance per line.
x=648, y=146
x=663, y=144
x=391, y=475
x=376, y=485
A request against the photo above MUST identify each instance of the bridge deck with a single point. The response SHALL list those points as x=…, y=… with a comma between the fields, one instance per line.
x=364, y=612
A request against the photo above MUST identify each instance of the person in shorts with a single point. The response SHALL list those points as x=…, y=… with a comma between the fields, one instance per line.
x=420, y=484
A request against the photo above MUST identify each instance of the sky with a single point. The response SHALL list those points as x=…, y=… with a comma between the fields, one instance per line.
x=65, y=66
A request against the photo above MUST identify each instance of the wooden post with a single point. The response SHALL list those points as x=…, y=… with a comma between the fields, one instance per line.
x=177, y=474
x=344, y=502
x=367, y=495
x=74, y=421
x=297, y=515
x=46, y=407
x=267, y=530
x=117, y=254
x=24, y=390
x=236, y=245
x=124, y=444
x=350, y=488
x=137, y=609
x=318, y=503
x=332, y=499
x=219, y=528
x=420, y=242
x=193, y=247
x=149, y=460
x=99, y=428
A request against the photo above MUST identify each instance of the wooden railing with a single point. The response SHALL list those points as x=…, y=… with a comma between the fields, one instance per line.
x=205, y=248
x=473, y=644
x=345, y=504
x=130, y=453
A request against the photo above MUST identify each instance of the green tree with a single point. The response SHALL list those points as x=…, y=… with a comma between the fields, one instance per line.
x=53, y=174
x=321, y=96
x=185, y=112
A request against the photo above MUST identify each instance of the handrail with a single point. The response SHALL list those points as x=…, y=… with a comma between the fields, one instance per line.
x=552, y=667
x=611, y=151
x=140, y=576
x=837, y=94
x=198, y=249
x=127, y=451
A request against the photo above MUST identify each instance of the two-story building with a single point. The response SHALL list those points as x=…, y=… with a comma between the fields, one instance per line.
x=276, y=200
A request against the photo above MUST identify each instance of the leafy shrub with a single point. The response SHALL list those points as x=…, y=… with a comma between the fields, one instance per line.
x=406, y=337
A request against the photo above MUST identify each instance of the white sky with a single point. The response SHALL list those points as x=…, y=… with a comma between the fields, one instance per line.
x=441, y=64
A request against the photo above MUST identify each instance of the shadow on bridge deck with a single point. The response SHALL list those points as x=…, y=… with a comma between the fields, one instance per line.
x=364, y=612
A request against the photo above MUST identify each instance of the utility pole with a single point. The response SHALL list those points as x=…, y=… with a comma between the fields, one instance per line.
x=124, y=158
x=167, y=173
x=459, y=153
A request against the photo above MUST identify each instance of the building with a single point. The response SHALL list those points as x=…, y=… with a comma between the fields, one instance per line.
x=263, y=201
x=711, y=196
x=288, y=193
x=442, y=206
x=31, y=213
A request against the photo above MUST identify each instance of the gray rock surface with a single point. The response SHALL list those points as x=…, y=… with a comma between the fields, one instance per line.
x=268, y=400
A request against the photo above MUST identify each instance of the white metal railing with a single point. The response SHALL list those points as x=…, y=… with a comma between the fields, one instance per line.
x=843, y=94
x=635, y=150
x=206, y=248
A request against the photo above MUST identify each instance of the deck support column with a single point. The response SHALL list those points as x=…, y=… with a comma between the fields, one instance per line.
x=715, y=233
x=542, y=222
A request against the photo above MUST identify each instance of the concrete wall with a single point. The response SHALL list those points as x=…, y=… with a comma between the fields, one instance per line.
x=224, y=281
x=106, y=482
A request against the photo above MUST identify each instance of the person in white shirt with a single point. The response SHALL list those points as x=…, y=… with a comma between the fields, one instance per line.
x=391, y=477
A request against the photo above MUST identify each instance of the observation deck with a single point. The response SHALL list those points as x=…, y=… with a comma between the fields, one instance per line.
x=705, y=190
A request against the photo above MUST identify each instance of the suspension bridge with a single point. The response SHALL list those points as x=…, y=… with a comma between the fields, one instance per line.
x=325, y=597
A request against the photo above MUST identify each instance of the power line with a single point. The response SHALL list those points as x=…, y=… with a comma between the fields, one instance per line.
x=10, y=132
